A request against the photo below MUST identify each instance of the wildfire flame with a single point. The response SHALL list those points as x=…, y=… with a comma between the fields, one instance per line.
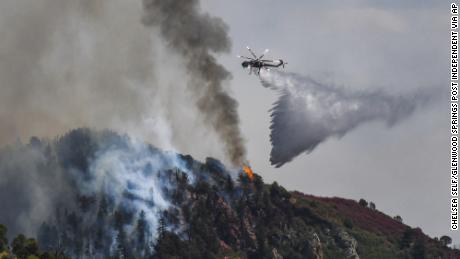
x=248, y=171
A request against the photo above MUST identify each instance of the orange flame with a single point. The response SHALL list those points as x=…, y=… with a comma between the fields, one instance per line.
x=248, y=171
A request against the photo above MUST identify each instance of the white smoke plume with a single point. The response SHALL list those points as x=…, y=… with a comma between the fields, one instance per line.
x=100, y=181
x=132, y=177
x=309, y=112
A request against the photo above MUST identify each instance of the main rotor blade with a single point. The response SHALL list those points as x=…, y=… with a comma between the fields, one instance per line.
x=244, y=57
x=252, y=53
x=265, y=52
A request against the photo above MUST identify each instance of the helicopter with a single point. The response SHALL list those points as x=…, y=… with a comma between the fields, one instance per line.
x=258, y=63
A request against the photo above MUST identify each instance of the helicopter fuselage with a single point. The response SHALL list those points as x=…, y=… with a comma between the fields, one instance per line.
x=258, y=63
x=261, y=64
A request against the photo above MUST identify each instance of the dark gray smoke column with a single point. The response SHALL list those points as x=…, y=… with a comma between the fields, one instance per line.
x=195, y=35
x=308, y=112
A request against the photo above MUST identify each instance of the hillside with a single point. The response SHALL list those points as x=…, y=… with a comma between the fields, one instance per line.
x=91, y=194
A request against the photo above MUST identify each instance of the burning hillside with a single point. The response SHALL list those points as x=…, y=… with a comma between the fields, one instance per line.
x=95, y=194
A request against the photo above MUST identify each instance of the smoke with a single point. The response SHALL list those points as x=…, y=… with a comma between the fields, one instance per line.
x=309, y=112
x=69, y=64
x=92, y=177
x=29, y=187
x=195, y=36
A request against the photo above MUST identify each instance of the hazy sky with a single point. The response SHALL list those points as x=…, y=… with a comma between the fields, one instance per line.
x=93, y=63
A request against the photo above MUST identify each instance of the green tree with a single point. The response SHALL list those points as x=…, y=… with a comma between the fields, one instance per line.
x=229, y=185
x=141, y=235
x=445, y=240
x=348, y=223
x=122, y=246
x=278, y=193
x=31, y=247
x=47, y=236
x=372, y=205
x=3, y=239
x=418, y=251
x=258, y=183
x=407, y=238
x=171, y=246
x=162, y=226
x=24, y=247
x=362, y=202
x=103, y=209
x=18, y=246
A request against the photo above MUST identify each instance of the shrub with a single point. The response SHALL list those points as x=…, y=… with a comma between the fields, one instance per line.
x=348, y=223
x=398, y=218
x=362, y=202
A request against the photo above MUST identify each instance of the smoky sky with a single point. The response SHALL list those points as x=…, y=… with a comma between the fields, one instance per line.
x=196, y=35
x=96, y=64
x=309, y=112
x=69, y=64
